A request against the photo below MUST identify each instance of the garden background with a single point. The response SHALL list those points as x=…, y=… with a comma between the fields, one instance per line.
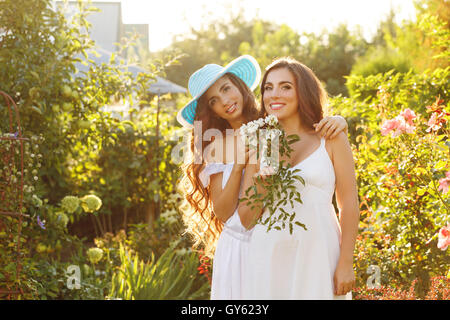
x=100, y=204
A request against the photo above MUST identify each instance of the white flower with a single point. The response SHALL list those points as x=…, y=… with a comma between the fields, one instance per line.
x=260, y=122
x=70, y=203
x=265, y=161
x=271, y=120
x=36, y=201
x=91, y=203
x=274, y=133
x=253, y=141
x=243, y=131
x=253, y=127
x=94, y=255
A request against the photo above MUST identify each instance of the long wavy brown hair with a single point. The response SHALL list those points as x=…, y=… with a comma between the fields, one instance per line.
x=312, y=97
x=197, y=210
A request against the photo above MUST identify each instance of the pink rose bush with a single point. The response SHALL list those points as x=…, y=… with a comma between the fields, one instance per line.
x=436, y=127
x=403, y=123
x=438, y=115
x=444, y=183
x=444, y=237
x=409, y=116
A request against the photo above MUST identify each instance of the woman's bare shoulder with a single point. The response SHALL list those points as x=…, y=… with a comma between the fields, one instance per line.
x=340, y=140
x=338, y=145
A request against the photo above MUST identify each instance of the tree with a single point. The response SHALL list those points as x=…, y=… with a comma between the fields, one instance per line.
x=330, y=54
x=410, y=44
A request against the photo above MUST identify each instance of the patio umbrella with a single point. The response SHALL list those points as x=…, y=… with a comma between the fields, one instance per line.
x=161, y=86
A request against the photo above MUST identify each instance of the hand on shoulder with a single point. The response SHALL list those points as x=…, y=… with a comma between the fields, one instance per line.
x=340, y=139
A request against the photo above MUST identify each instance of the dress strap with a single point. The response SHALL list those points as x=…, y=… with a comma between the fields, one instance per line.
x=322, y=142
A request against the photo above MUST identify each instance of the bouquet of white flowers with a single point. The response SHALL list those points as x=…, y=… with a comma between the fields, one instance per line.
x=267, y=137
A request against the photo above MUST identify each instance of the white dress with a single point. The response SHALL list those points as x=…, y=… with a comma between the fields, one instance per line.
x=232, y=247
x=300, y=265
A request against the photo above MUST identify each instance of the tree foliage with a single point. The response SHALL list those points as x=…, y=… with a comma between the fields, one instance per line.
x=330, y=54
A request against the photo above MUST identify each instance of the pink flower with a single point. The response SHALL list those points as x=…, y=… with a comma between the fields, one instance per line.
x=436, y=121
x=400, y=124
x=444, y=237
x=409, y=116
x=444, y=183
x=389, y=125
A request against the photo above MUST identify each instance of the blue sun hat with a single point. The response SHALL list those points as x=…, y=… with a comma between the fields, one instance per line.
x=245, y=67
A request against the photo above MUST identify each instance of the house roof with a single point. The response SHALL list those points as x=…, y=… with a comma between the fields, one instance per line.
x=160, y=86
x=106, y=29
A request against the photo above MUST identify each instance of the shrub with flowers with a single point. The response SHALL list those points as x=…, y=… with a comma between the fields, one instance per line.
x=444, y=237
x=94, y=255
x=70, y=204
x=90, y=203
x=399, y=129
x=439, y=290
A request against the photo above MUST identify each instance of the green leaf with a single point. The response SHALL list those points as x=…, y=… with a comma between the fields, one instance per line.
x=34, y=74
x=421, y=191
x=440, y=165
x=37, y=110
x=301, y=225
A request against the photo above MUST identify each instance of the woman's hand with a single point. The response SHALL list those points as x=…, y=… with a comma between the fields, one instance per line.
x=344, y=278
x=264, y=172
x=330, y=126
x=243, y=155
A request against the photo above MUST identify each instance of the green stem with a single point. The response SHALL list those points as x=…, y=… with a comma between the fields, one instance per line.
x=99, y=225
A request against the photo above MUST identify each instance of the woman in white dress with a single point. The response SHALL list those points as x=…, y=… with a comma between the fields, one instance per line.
x=211, y=183
x=316, y=263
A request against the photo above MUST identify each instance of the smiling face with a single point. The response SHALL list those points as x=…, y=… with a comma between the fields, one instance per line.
x=226, y=101
x=280, y=94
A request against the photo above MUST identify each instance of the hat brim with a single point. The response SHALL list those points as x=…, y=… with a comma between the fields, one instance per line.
x=245, y=67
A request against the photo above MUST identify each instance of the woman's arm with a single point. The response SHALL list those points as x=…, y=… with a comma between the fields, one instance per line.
x=225, y=200
x=347, y=201
x=247, y=215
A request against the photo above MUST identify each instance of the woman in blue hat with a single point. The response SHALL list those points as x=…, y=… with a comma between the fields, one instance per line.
x=212, y=177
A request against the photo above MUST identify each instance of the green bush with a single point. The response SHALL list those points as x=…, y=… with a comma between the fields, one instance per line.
x=380, y=60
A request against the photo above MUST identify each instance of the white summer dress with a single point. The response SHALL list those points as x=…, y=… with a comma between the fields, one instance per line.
x=300, y=265
x=232, y=247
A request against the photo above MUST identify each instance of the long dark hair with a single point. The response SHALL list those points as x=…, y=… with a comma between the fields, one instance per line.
x=312, y=97
x=197, y=211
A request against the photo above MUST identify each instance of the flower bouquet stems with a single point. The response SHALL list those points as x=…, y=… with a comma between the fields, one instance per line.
x=267, y=137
